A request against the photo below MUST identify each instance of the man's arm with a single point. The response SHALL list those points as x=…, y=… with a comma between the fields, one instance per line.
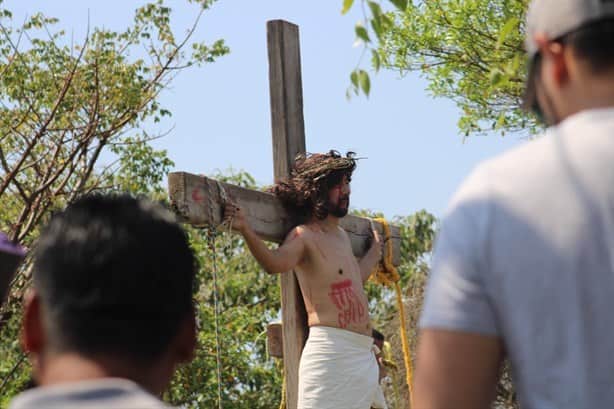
x=284, y=258
x=460, y=345
x=371, y=257
x=456, y=370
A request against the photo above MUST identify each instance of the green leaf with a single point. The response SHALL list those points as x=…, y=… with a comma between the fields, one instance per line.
x=506, y=30
x=376, y=25
x=354, y=78
x=375, y=60
x=347, y=5
x=376, y=10
x=361, y=32
x=501, y=120
x=365, y=82
x=495, y=77
x=400, y=4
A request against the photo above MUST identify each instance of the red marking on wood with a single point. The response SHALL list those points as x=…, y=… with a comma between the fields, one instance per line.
x=196, y=196
x=347, y=302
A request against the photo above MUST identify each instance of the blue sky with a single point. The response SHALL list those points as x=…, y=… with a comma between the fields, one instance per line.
x=221, y=118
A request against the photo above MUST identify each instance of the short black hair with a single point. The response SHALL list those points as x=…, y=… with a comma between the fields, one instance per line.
x=594, y=43
x=375, y=334
x=115, y=274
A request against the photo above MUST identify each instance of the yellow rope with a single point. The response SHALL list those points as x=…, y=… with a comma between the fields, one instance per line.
x=406, y=350
x=386, y=274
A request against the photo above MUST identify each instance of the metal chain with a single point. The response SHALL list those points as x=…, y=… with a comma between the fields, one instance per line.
x=211, y=233
x=211, y=236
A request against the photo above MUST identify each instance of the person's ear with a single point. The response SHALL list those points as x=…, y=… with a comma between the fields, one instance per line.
x=554, y=59
x=185, y=345
x=32, y=331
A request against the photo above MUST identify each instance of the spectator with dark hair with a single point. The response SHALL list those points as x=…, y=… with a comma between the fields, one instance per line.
x=110, y=314
x=523, y=267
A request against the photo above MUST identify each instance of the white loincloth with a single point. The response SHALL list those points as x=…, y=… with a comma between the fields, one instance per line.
x=379, y=400
x=338, y=370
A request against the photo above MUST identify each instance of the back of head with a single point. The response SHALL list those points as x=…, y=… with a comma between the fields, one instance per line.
x=587, y=26
x=305, y=193
x=115, y=276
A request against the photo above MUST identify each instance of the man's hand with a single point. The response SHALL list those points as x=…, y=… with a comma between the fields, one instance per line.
x=376, y=243
x=233, y=214
x=456, y=369
x=372, y=256
x=380, y=363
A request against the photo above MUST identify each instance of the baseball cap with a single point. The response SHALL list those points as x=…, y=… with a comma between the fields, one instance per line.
x=554, y=19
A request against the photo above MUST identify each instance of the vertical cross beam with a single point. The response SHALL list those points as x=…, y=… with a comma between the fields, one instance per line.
x=288, y=140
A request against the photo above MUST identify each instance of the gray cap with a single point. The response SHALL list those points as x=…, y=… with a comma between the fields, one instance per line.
x=555, y=18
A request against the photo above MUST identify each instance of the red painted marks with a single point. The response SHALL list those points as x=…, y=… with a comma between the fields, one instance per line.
x=351, y=310
x=197, y=196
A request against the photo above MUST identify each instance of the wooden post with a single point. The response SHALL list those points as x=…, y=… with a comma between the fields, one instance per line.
x=288, y=140
x=274, y=340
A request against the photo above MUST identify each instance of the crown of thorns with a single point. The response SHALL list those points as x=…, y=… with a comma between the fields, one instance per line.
x=325, y=164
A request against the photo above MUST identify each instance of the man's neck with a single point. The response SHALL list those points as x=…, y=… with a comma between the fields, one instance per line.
x=596, y=92
x=72, y=367
x=329, y=224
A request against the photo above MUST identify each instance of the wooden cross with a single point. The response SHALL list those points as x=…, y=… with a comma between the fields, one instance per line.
x=199, y=200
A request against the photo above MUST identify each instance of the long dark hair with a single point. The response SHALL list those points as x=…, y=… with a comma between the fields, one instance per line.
x=305, y=193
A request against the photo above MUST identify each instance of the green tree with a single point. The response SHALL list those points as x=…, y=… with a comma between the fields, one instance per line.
x=470, y=51
x=64, y=107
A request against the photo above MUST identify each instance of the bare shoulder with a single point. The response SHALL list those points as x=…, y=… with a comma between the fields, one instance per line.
x=300, y=232
x=344, y=234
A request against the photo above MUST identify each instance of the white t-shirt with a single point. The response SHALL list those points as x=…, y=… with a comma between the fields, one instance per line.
x=526, y=253
x=92, y=394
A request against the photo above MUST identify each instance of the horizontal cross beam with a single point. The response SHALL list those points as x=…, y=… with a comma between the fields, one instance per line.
x=199, y=201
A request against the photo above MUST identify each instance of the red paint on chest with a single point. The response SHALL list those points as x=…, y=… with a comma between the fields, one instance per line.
x=350, y=309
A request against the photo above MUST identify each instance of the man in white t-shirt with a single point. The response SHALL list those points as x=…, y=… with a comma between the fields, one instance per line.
x=110, y=314
x=524, y=263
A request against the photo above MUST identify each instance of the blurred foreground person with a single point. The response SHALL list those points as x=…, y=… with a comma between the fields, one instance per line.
x=524, y=262
x=110, y=314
